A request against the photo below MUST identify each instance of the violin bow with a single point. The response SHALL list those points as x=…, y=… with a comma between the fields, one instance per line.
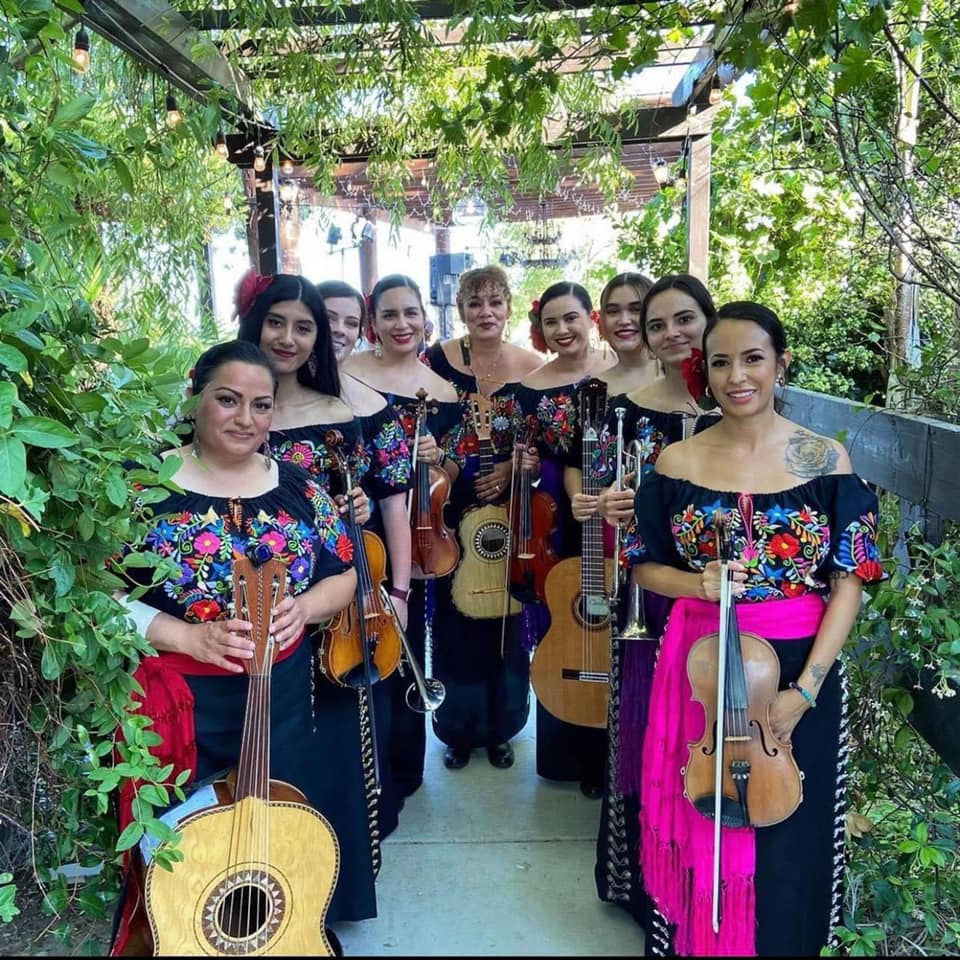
x=719, y=524
x=334, y=440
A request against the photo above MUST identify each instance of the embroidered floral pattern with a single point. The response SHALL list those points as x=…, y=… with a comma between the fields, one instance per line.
x=554, y=422
x=782, y=551
x=857, y=550
x=204, y=545
x=390, y=455
x=313, y=455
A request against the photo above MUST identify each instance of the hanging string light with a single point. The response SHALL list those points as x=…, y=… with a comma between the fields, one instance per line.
x=173, y=111
x=259, y=159
x=81, y=51
x=220, y=145
x=286, y=167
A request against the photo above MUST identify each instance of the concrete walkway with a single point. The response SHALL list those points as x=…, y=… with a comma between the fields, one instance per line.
x=490, y=862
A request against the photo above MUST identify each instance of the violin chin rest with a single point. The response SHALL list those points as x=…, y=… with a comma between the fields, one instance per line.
x=731, y=813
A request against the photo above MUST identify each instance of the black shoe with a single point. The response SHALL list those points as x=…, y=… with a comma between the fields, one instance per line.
x=592, y=790
x=455, y=758
x=501, y=755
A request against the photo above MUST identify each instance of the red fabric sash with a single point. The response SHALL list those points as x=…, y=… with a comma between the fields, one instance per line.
x=169, y=702
x=676, y=842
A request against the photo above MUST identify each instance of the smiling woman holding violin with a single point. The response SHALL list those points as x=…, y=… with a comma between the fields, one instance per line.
x=395, y=325
x=800, y=527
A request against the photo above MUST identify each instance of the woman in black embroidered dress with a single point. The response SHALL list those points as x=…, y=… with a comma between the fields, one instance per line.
x=234, y=497
x=803, y=528
x=488, y=691
x=673, y=316
x=286, y=316
x=393, y=369
x=561, y=323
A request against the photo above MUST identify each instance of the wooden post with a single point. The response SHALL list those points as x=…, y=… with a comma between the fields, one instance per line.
x=262, y=226
x=698, y=208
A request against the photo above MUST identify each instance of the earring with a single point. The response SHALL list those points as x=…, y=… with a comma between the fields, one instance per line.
x=312, y=364
x=196, y=444
x=706, y=392
x=377, y=349
x=267, y=455
x=466, y=342
x=781, y=380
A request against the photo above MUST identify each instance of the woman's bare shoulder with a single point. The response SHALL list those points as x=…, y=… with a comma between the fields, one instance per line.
x=807, y=454
x=361, y=399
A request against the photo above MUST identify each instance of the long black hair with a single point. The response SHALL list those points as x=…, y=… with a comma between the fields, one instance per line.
x=324, y=377
x=685, y=283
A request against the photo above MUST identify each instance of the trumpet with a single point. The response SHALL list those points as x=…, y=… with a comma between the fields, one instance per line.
x=636, y=626
x=425, y=694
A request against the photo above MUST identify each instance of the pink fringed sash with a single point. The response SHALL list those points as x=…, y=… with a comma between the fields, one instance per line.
x=676, y=842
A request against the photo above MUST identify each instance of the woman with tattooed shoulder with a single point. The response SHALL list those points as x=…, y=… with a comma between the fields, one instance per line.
x=803, y=528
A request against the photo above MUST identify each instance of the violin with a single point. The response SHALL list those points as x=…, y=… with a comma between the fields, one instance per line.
x=362, y=643
x=434, y=548
x=739, y=773
x=533, y=522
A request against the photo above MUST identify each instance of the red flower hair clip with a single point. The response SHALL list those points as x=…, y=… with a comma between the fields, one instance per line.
x=250, y=287
x=595, y=317
x=694, y=372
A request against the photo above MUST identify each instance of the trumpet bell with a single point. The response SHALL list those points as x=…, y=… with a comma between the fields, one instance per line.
x=429, y=699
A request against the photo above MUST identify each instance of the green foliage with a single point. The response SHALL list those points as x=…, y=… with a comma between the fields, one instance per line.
x=103, y=217
x=903, y=881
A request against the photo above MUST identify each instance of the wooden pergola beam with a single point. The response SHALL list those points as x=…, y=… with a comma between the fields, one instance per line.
x=154, y=33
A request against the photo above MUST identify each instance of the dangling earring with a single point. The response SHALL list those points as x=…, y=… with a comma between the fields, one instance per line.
x=196, y=443
x=312, y=364
x=781, y=380
x=466, y=342
x=267, y=455
x=377, y=349
x=706, y=392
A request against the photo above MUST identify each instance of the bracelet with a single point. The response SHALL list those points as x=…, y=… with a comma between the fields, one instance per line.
x=806, y=694
x=442, y=458
x=400, y=593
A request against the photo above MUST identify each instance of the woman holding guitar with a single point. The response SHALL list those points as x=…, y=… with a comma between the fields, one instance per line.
x=395, y=322
x=802, y=528
x=485, y=672
x=236, y=501
x=560, y=322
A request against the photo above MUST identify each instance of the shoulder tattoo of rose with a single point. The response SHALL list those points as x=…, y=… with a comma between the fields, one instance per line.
x=808, y=456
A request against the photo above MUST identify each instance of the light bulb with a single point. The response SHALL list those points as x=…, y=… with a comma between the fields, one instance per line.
x=81, y=51
x=173, y=111
x=286, y=167
x=220, y=145
x=259, y=159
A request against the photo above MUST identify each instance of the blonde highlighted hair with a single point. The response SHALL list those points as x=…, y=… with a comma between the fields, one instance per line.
x=480, y=278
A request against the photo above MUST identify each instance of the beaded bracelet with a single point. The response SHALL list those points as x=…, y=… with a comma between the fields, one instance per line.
x=806, y=694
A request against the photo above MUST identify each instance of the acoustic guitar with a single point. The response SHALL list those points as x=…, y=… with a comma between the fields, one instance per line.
x=479, y=587
x=570, y=669
x=260, y=867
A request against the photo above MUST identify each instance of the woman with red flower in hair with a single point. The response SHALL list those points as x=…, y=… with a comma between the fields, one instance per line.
x=227, y=498
x=672, y=317
x=561, y=323
x=803, y=528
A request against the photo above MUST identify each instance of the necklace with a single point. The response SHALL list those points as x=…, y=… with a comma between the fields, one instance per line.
x=468, y=363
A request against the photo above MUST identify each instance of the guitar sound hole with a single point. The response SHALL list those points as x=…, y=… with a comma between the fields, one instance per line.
x=490, y=541
x=242, y=912
x=593, y=611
